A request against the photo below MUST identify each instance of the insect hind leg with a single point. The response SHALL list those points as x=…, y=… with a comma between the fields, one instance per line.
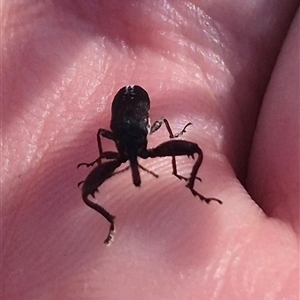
x=158, y=123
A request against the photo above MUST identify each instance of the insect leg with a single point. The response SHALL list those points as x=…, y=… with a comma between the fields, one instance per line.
x=90, y=186
x=156, y=125
x=179, y=148
x=107, y=134
x=110, y=218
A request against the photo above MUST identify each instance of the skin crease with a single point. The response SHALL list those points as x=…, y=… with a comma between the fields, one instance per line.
x=204, y=62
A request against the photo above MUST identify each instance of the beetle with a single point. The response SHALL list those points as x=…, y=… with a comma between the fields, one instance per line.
x=130, y=127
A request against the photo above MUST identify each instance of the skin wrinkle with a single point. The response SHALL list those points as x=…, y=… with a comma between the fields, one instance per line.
x=210, y=58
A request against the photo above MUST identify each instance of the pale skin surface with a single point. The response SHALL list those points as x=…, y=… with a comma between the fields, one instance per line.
x=208, y=63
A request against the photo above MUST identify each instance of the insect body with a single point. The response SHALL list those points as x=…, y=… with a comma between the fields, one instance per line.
x=130, y=127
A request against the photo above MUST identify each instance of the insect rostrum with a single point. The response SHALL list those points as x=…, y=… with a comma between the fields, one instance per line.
x=130, y=127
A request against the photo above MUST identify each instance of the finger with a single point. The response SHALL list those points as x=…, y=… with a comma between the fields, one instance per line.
x=273, y=178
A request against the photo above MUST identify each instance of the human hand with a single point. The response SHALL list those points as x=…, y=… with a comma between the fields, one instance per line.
x=205, y=63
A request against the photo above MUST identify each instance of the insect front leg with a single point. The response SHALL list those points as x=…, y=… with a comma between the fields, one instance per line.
x=90, y=186
x=156, y=125
x=179, y=148
x=107, y=134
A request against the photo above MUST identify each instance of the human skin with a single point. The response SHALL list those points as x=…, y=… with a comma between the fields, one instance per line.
x=208, y=63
